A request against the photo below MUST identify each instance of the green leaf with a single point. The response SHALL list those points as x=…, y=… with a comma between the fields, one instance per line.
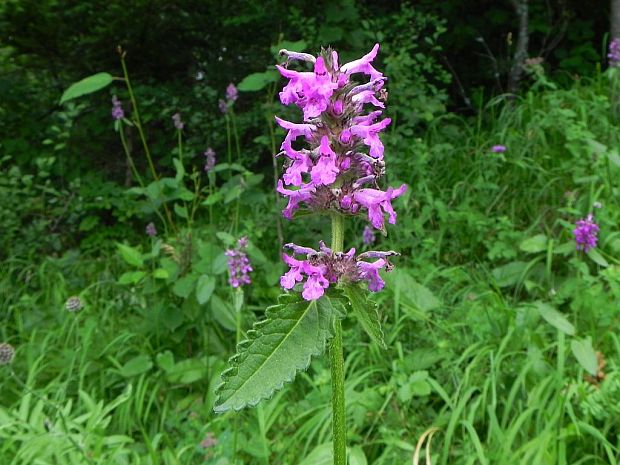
x=204, y=288
x=131, y=256
x=131, y=277
x=585, y=354
x=320, y=455
x=554, y=318
x=509, y=274
x=86, y=86
x=184, y=286
x=136, y=366
x=223, y=313
x=366, y=312
x=257, y=81
x=297, y=46
x=277, y=348
x=161, y=273
x=597, y=258
x=537, y=243
x=187, y=371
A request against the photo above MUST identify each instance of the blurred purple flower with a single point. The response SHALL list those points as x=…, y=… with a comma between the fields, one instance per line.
x=176, y=119
x=231, y=92
x=614, y=52
x=209, y=159
x=209, y=441
x=151, y=230
x=222, y=105
x=368, y=236
x=117, y=109
x=498, y=149
x=586, y=233
x=239, y=265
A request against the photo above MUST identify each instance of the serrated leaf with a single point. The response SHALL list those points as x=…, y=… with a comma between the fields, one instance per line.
x=204, y=288
x=584, y=353
x=277, y=350
x=131, y=256
x=555, y=318
x=87, y=86
x=367, y=314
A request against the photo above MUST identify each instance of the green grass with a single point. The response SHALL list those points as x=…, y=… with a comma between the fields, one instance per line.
x=126, y=382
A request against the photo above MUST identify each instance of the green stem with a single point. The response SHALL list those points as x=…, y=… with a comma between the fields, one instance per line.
x=228, y=145
x=337, y=365
x=138, y=122
x=121, y=131
x=236, y=135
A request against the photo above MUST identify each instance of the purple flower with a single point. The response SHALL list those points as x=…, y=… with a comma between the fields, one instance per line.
x=585, y=233
x=222, y=105
x=209, y=159
x=176, y=119
x=209, y=441
x=151, y=230
x=231, y=92
x=498, y=149
x=614, y=52
x=239, y=266
x=342, y=136
x=117, y=109
x=378, y=202
x=368, y=236
x=324, y=267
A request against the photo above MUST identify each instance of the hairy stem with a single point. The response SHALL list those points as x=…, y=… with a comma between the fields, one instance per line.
x=337, y=365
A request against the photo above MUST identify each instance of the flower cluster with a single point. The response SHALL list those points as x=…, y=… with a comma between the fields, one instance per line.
x=321, y=268
x=614, y=52
x=586, y=234
x=151, y=230
x=7, y=353
x=117, y=109
x=178, y=123
x=368, y=235
x=209, y=159
x=231, y=98
x=239, y=265
x=498, y=149
x=74, y=304
x=340, y=168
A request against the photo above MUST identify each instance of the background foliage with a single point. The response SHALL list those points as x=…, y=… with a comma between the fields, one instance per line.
x=498, y=331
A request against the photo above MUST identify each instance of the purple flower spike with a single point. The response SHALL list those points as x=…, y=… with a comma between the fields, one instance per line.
x=231, y=92
x=586, y=234
x=368, y=236
x=117, y=109
x=209, y=159
x=334, y=160
x=239, y=266
x=151, y=230
x=176, y=119
x=614, y=52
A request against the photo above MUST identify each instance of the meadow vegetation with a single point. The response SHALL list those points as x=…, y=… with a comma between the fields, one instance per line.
x=116, y=232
